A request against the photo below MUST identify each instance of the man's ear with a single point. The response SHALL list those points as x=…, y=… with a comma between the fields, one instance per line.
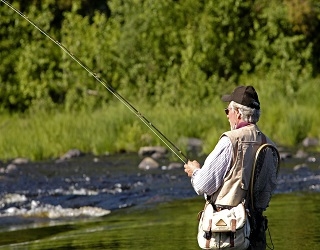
x=238, y=114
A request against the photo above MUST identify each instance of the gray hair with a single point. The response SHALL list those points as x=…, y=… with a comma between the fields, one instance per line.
x=247, y=114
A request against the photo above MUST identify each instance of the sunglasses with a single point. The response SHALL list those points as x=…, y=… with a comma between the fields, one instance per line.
x=226, y=110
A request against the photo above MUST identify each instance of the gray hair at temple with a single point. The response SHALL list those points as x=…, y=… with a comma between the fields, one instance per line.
x=247, y=114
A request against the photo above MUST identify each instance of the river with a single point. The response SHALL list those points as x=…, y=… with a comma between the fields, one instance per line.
x=107, y=202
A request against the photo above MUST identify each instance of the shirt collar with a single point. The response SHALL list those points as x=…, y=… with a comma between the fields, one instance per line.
x=243, y=124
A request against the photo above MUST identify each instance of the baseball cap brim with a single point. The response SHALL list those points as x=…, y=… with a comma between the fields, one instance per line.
x=226, y=98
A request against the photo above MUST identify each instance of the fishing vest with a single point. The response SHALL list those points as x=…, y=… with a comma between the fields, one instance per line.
x=245, y=142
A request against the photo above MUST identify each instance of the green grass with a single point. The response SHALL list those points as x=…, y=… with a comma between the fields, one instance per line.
x=286, y=118
x=110, y=129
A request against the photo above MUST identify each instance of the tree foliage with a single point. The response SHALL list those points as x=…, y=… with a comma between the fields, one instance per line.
x=169, y=51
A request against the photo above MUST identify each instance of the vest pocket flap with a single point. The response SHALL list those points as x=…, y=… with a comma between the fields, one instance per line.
x=227, y=220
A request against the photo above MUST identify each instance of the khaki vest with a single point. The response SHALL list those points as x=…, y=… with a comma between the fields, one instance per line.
x=245, y=141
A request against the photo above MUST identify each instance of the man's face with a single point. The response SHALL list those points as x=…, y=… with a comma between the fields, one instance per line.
x=232, y=117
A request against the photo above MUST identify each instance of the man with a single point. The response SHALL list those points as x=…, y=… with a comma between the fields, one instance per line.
x=225, y=176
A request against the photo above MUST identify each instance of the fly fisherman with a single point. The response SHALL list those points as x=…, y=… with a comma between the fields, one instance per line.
x=225, y=176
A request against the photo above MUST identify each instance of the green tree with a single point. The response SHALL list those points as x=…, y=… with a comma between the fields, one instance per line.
x=280, y=52
x=12, y=32
x=92, y=42
x=164, y=51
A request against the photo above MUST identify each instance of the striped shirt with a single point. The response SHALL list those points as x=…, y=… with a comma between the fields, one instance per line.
x=209, y=177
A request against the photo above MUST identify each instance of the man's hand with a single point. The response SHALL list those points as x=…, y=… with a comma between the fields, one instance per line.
x=190, y=167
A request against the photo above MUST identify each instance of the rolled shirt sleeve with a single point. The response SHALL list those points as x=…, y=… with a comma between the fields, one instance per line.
x=209, y=178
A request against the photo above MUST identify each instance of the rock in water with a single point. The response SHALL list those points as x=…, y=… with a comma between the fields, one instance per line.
x=148, y=163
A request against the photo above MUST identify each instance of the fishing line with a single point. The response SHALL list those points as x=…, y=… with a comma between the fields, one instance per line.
x=156, y=131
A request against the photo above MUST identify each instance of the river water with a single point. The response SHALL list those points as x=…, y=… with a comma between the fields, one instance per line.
x=107, y=202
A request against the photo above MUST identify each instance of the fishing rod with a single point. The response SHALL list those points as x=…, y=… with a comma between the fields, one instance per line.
x=156, y=131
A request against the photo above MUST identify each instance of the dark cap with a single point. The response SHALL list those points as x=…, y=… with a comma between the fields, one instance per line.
x=244, y=95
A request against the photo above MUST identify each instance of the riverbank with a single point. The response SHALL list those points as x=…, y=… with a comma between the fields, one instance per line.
x=113, y=129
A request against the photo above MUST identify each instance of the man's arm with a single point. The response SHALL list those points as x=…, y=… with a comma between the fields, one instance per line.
x=208, y=178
